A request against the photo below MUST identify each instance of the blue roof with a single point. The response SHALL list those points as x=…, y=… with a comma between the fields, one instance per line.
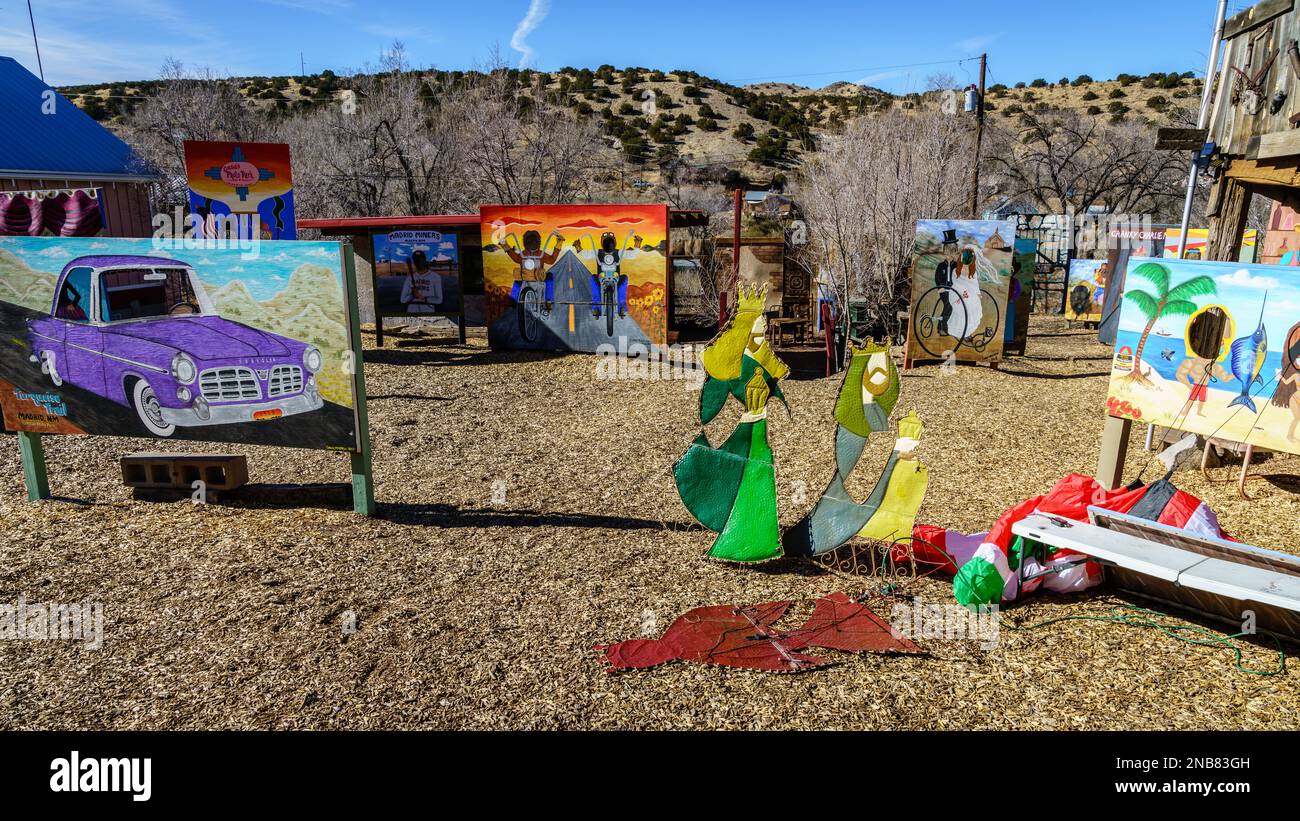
x=67, y=142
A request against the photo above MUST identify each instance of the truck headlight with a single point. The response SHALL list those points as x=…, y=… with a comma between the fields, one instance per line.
x=312, y=359
x=183, y=369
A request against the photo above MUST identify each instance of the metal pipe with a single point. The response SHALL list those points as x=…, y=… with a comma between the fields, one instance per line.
x=1210, y=70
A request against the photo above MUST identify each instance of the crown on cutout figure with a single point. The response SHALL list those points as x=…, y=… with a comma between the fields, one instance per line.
x=910, y=427
x=752, y=298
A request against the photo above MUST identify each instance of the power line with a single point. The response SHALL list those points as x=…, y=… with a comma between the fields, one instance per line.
x=35, y=42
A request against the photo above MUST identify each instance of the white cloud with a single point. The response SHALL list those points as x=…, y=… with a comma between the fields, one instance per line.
x=878, y=77
x=1243, y=278
x=537, y=11
x=81, y=43
x=979, y=42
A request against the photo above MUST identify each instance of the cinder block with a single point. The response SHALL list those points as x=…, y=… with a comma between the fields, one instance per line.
x=218, y=471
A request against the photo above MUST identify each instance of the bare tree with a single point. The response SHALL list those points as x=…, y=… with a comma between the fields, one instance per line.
x=863, y=192
x=395, y=141
x=522, y=146
x=1063, y=161
x=189, y=105
x=387, y=145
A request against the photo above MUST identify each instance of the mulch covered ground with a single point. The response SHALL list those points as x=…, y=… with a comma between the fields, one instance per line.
x=473, y=612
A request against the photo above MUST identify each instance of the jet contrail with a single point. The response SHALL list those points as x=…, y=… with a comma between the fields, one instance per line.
x=537, y=10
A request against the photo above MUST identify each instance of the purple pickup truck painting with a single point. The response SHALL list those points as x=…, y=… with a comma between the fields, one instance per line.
x=141, y=331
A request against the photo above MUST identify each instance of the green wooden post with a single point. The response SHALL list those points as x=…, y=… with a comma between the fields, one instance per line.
x=33, y=456
x=363, y=486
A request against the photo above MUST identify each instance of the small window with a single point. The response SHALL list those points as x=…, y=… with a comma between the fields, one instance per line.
x=1206, y=333
x=74, y=299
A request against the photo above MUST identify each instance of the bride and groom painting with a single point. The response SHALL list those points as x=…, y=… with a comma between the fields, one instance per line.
x=961, y=276
x=956, y=275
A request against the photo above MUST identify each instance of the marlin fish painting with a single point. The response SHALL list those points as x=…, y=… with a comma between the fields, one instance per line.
x=1248, y=355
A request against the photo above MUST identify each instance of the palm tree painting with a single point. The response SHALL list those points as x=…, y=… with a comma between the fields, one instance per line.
x=1160, y=302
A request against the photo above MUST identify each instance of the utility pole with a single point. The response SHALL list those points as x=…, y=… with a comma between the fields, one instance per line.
x=979, y=138
x=738, y=198
x=302, y=65
x=1202, y=120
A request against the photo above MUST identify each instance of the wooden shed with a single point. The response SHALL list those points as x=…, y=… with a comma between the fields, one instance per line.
x=51, y=144
x=1254, y=123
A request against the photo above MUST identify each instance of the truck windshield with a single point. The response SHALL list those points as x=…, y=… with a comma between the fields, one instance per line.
x=139, y=293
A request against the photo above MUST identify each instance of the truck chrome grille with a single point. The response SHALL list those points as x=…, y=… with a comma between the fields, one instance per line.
x=284, y=379
x=229, y=384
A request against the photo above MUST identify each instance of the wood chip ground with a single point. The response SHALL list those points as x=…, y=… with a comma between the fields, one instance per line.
x=475, y=613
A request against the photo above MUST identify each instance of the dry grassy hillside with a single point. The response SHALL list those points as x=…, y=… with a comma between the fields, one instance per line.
x=759, y=130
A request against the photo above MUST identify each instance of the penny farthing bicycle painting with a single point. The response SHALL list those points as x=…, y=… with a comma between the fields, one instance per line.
x=961, y=275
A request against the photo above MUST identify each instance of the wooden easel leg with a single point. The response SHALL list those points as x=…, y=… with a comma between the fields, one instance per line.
x=1245, y=472
x=379, y=330
x=1114, y=452
x=32, y=452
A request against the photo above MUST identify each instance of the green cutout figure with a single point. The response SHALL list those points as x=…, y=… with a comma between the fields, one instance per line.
x=732, y=489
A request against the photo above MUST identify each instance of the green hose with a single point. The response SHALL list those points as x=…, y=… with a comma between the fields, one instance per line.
x=1140, y=617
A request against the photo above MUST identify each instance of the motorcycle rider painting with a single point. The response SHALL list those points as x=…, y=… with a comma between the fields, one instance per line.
x=609, y=260
x=534, y=261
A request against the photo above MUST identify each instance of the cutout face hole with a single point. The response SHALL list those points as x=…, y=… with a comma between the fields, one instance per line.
x=1206, y=333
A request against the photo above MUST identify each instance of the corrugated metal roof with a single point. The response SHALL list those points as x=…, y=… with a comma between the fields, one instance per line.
x=343, y=225
x=65, y=143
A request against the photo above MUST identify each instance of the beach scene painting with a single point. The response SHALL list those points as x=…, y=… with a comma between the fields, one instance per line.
x=1211, y=348
x=961, y=281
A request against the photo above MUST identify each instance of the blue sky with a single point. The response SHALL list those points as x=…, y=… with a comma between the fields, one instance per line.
x=265, y=274
x=812, y=42
x=444, y=249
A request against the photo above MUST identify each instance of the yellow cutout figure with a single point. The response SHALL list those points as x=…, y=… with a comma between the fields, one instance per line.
x=905, y=486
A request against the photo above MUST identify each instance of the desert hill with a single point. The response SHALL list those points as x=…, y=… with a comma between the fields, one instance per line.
x=760, y=130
